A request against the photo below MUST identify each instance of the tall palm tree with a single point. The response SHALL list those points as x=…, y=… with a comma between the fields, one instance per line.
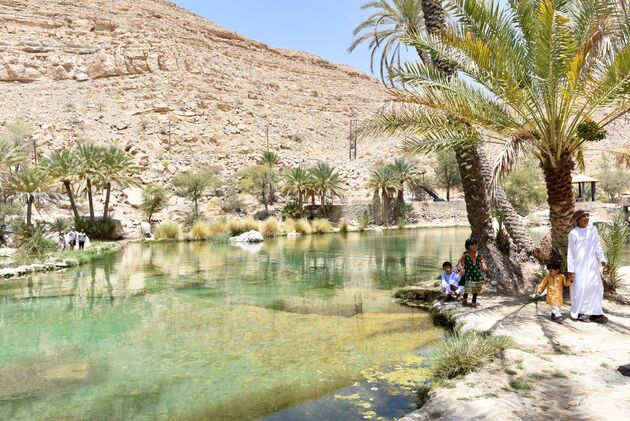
x=269, y=158
x=545, y=81
x=386, y=27
x=385, y=180
x=31, y=185
x=61, y=165
x=117, y=168
x=89, y=165
x=296, y=182
x=326, y=182
x=10, y=155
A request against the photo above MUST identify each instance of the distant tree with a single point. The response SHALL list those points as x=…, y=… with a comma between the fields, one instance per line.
x=89, y=164
x=326, y=181
x=117, y=168
x=613, y=180
x=261, y=180
x=525, y=187
x=31, y=185
x=193, y=186
x=407, y=174
x=447, y=172
x=296, y=182
x=20, y=132
x=61, y=165
x=154, y=198
x=383, y=179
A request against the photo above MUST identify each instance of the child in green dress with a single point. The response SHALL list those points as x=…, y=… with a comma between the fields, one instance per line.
x=470, y=265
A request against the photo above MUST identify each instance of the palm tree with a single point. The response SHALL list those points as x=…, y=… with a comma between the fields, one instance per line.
x=296, y=182
x=545, y=80
x=117, y=168
x=61, y=165
x=89, y=165
x=407, y=174
x=385, y=180
x=384, y=30
x=32, y=186
x=326, y=182
x=10, y=155
x=269, y=158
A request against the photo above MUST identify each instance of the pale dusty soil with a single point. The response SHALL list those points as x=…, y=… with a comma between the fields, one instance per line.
x=572, y=367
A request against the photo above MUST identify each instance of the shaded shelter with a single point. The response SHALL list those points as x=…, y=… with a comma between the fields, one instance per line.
x=581, y=180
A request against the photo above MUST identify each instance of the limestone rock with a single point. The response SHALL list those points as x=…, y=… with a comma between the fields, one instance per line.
x=248, y=237
x=134, y=196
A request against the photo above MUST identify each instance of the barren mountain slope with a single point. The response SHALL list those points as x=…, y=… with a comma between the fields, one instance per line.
x=119, y=71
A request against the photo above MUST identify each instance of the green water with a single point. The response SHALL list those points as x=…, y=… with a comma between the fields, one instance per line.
x=295, y=328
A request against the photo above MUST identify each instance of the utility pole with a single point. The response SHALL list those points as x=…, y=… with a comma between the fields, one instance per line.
x=267, y=136
x=35, y=150
x=353, y=141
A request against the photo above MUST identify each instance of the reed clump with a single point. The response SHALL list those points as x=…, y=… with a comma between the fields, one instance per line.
x=321, y=226
x=167, y=230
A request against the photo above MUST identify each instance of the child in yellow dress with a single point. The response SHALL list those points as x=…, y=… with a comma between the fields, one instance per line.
x=554, y=283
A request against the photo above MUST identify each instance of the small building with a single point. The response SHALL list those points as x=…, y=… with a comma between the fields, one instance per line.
x=581, y=180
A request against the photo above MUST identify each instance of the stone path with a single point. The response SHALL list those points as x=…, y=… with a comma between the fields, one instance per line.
x=560, y=371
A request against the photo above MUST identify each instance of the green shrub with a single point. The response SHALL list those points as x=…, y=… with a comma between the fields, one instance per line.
x=35, y=242
x=232, y=203
x=400, y=223
x=343, y=225
x=270, y=227
x=223, y=237
x=464, y=352
x=614, y=238
x=199, y=231
x=289, y=225
x=167, y=231
x=292, y=210
x=321, y=226
x=98, y=229
x=521, y=383
x=303, y=226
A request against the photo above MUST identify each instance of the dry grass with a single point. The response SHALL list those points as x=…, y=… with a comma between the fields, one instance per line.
x=321, y=226
x=465, y=352
x=343, y=225
x=250, y=224
x=289, y=225
x=199, y=231
x=167, y=231
x=270, y=227
x=303, y=226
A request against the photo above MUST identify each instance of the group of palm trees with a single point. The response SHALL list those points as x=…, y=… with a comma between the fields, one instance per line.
x=540, y=78
x=388, y=182
x=320, y=181
x=85, y=169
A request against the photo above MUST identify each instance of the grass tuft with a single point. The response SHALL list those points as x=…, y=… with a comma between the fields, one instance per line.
x=343, y=225
x=521, y=383
x=199, y=231
x=289, y=225
x=270, y=227
x=322, y=226
x=167, y=231
x=465, y=352
x=303, y=226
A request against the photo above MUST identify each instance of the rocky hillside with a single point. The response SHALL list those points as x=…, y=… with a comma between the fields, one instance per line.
x=177, y=90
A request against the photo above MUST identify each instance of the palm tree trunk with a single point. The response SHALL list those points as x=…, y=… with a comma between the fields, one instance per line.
x=512, y=220
x=29, y=210
x=385, y=203
x=300, y=200
x=434, y=21
x=108, y=189
x=73, y=205
x=376, y=208
x=477, y=204
x=323, y=202
x=90, y=201
x=561, y=202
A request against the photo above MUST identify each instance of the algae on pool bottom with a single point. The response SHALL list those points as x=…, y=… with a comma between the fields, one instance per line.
x=211, y=331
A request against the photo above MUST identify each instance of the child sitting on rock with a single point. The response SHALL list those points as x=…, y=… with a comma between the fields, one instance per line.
x=554, y=283
x=450, y=283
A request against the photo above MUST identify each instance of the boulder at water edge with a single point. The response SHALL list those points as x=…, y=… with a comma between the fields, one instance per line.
x=248, y=237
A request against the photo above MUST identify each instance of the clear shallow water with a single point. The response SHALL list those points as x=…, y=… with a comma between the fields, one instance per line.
x=296, y=328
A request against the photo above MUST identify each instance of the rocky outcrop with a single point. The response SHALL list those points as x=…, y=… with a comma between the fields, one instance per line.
x=248, y=237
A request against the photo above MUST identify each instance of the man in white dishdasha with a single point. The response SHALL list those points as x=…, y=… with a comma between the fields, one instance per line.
x=584, y=256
